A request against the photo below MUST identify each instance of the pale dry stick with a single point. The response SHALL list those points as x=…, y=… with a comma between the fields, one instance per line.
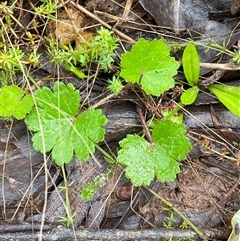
x=227, y=66
x=119, y=33
x=127, y=9
x=93, y=82
x=154, y=30
x=145, y=127
x=107, y=15
x=230, y=192
x=212, y=150
x=122, y=19
x=101, y=102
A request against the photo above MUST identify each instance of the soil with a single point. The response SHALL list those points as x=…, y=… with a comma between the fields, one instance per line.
x=206, y=191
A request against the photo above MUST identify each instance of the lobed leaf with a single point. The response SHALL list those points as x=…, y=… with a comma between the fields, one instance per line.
x=14, y=102
x=172, y=137
x=144, y=160
x=58, y=127
x=150, y=65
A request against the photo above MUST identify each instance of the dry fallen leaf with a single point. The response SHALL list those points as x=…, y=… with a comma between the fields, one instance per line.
x=67, y=27
x=235, y=6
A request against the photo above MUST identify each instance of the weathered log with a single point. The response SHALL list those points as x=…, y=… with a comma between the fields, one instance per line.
x=62, y=234
x=81, y=173
x=22, y=173
x=23, y=184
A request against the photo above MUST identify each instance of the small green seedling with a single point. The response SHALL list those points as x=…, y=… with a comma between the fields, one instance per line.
x=191, y=68
x=228, y=95
x=115, y=85
x=89, y=189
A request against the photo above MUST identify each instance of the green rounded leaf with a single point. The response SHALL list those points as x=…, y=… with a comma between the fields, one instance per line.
x=58, y=127
x=189, y=96
x=143, y=161
x=14, y=102
x=172, y=137
x=228, y=95
x=150, y=65
x=191, y=65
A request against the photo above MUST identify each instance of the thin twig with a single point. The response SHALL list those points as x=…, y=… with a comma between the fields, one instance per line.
x=145, y=127
x=127, y=9
x=230, y=192
x=227, y=66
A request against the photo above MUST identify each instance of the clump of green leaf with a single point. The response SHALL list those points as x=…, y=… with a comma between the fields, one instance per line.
x=10, y=62
x=144, y=160
x=115, y=85
x=98, y=50
x=58, y=126
x=228, y=95
x=102, y=48
x=150, y=65
x=47, y=8
x=14, y=102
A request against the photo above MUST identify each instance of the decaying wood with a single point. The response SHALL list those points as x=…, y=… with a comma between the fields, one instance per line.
x=22, y=155
x=80, y=174
x=63, y=234
x=21, y=169
x=23, y=176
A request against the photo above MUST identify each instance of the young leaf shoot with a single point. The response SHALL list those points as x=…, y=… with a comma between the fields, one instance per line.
x=191, y=65
x=189, y=96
